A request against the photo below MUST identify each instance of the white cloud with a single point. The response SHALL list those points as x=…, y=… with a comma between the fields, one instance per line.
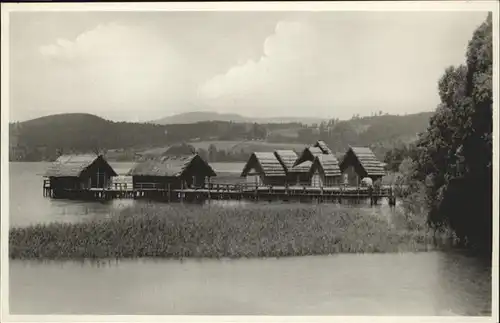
x=322, y=64
x=112, y=68
x=339, y=68
x=106, y=41
x=288, y=60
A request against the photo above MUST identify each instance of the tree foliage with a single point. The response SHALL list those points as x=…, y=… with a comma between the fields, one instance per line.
x=396, y=156
x=454, y=156
x=180, y=149
x=45, y=138
x=379, y=132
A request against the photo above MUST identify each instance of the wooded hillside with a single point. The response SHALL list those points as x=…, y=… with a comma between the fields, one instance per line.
x=44, y=138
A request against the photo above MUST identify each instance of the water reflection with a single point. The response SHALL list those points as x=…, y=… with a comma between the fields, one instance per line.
x=421, y=284
x=466, y=282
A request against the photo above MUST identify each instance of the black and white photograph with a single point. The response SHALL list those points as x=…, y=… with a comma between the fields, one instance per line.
x=261, y=160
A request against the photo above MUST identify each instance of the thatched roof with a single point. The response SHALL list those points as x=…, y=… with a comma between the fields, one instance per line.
x=303, y=167
x=323, y=146
x=169, y=166
x=286, y=157
x=328, y=163
x=73, y=165
x=367, y=160
x=309, y=153
x=266, y=162
x=315, y=150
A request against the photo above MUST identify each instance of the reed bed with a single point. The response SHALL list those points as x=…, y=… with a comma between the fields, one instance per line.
x=215, y=231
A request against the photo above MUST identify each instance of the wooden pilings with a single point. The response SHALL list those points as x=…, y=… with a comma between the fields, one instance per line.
x=231, y=192
x=47, y=190
x=392, y=200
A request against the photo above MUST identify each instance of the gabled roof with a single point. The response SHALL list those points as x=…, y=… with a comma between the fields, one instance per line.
x=368, y=160
x=303, y=167
x=315, y=150
x=268, y=162
x=323, y=146
x=328, y=163
x=309, y=153
x=73, y=165
x=168, y=166
x=286, y=157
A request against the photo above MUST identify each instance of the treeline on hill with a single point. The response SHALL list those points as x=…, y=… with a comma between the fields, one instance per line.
x=211, y=154
x=44, y=138
x=450, y=165
x=380, y=132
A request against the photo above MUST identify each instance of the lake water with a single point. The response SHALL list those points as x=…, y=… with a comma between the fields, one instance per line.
x=420, y=284
x=431, y=283
x=28, y=206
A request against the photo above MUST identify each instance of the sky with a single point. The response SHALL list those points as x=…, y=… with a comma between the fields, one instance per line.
x=141, y=66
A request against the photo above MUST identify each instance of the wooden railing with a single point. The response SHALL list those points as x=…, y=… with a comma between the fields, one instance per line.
x=121, y=186
x=385, y=190
x=151, y=186
x=224, y=186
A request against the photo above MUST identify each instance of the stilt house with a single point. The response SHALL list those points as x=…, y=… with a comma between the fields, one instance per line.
x=171, y=172
x=286, y=158
x=323, y=147
x=298, y=175
x=325, y=171
x=310, y=153
x=358, y=163
x=264, y=168
x=79, y=172
x=301, y=174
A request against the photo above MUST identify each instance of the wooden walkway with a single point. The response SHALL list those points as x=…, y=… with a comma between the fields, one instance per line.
x=225, y=191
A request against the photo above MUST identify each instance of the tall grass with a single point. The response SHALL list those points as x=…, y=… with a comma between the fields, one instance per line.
x=215, y=231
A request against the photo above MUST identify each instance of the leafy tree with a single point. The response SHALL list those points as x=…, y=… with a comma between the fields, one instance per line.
x=394, y=157
x=306, y=135
x=212, y=153
x=454, y=156
x=258, y=131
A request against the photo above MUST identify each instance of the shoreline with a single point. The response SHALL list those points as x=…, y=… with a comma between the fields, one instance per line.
x=425, y=249
x=113, y=261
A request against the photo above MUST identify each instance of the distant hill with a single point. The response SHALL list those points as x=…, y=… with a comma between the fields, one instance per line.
x=44, y=138
x=194, y=117
x=199, y=116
